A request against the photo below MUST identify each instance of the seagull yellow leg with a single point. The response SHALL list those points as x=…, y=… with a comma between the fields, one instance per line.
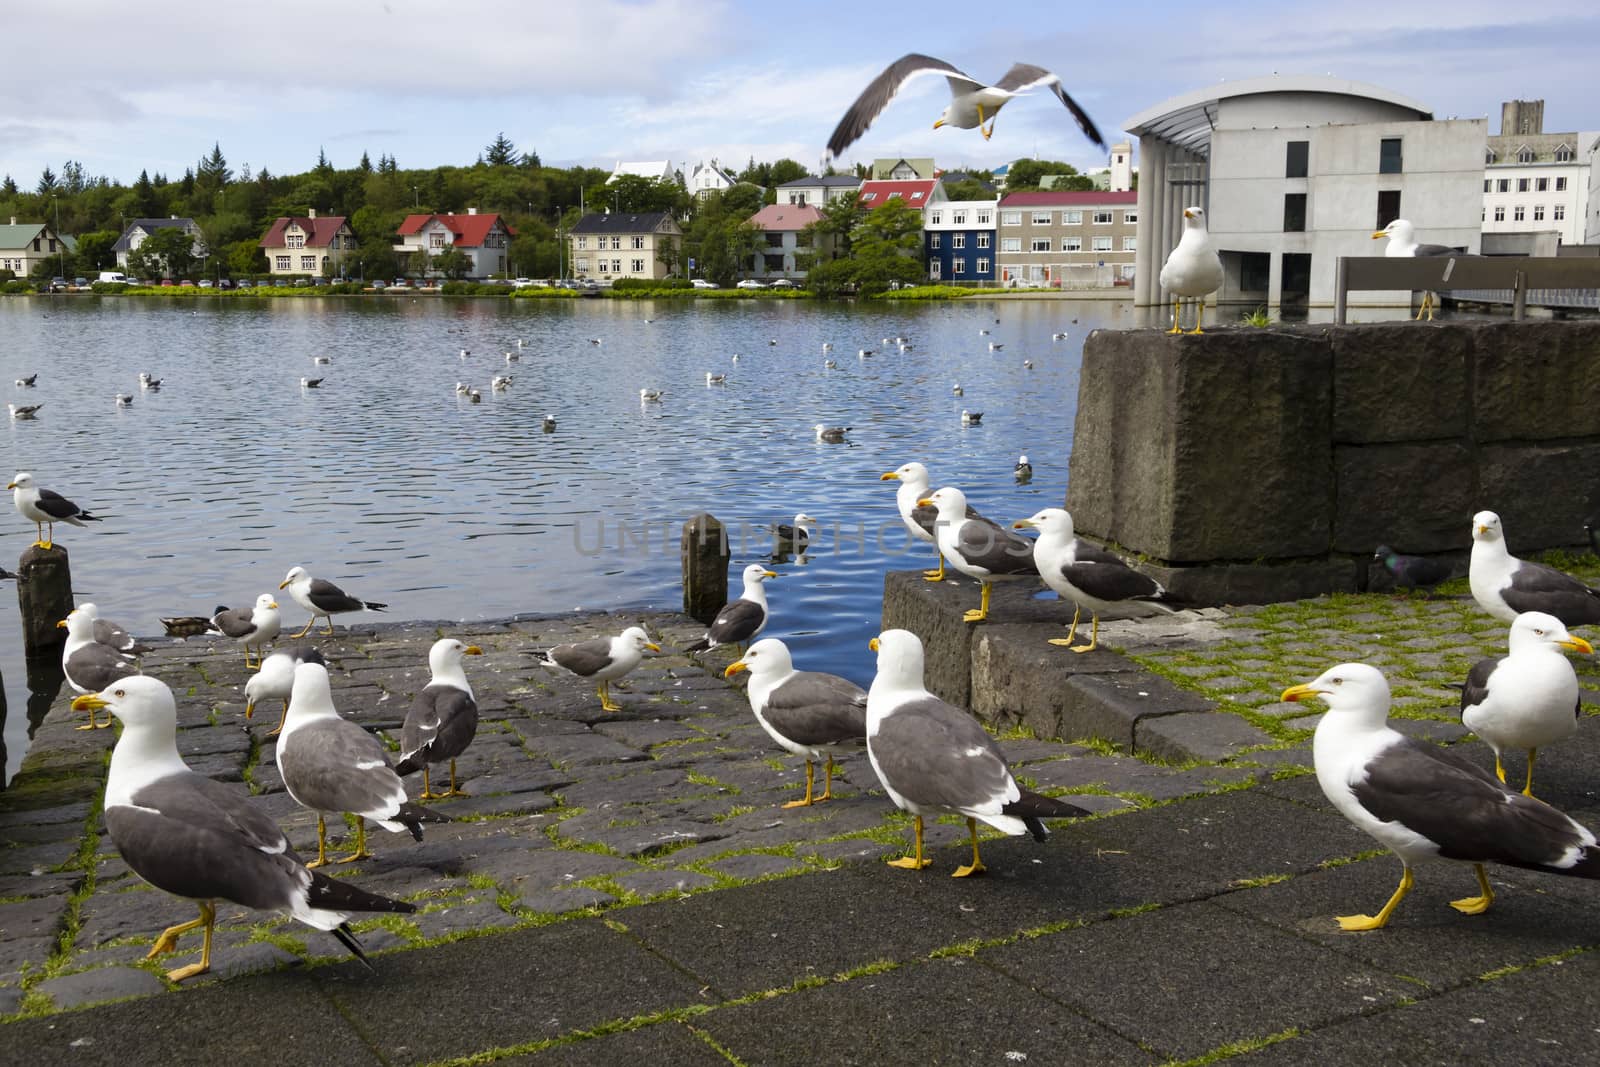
x=990, y=131
x=981, y=612
x=915, y=862
x=1499, y=768
x=306, y=628
x=454, y=792
x=1479, y=904
x=208, y=919
x=91, y=724
x=1072, y=631
x=1094, y=635
x=1199, y=314
x=322, y=844
x=811, y=772
x=938, y=575
x=1176, y=328
x=168, y=941
x=827, y=781
x=329, y=620
x=278, y=729
x=1527, y=790
x=977, y=864
x=606, y=703
x=1373, y=922
x=361, y=852
x=427, y=789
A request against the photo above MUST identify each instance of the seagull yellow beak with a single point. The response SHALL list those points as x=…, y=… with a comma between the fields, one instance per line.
x=273, y=605
x=250, y=710
x=873, y=644
x=1188, y=213
x=90, y=702
x=925, y=502
x=769, y=574
x=890, y=477
x=1300, y=692
x=472, y=650
x=1022, y=524
x=13, y=485
x=1483, y=529
x=1379, y=234
x=936, y=125
x=652, y=646
x=735, y=667
x=62, y=625
x=284, y=584
x=1577, y=644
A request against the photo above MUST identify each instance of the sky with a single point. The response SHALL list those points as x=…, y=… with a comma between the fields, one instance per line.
x=121, y=87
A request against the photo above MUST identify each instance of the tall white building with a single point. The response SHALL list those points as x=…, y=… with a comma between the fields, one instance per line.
x=1294, y=172
x=1534, y=183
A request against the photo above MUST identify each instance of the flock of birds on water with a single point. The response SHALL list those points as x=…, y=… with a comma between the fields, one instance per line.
x=204, y=840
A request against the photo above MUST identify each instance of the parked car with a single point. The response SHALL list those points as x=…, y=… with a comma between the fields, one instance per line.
x=701, y=283
x=246, y=283
x=319, y=281
x=280, y=283
x=379, y=283
x=751, y=283
x=80, y=283
x=784, y=283
x=168, y=283
x=187, y=282
x=206, y=283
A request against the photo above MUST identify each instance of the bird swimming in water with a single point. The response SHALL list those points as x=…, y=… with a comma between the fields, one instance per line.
x=1023, y=471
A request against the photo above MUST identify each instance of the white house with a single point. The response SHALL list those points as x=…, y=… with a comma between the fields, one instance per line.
x=483, y=238
x=708, y=178
x=1294, y=172
x=818, y=192
x=652, y=169
x=1534, y=182
x=134, y=233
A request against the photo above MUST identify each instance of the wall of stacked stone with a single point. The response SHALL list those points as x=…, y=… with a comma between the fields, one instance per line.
x=1251, y=465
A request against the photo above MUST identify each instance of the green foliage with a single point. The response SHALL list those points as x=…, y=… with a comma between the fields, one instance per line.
x=970, y=189
x=501, y=152
x=169, y=251
x=1025, y=174
x=17, y=285
x=626, y=284
x=459, y=288
x=452, y=263
x=1259, y=317
x=94, y=251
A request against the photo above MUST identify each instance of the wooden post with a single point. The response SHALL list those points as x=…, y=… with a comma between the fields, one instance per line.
x=44, y=593
x=705, y=556
x=1519, y=297
x=1341, y=291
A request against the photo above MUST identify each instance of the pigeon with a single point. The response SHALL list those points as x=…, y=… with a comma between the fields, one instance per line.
x=1413, y=572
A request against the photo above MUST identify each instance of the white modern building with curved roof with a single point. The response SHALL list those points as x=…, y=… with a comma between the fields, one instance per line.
x=1294, y=172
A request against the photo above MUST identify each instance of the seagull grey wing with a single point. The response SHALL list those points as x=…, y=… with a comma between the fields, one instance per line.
x=736, y=621
x=1024, y=76
x=202, y=860
x=1111, y=581
x=994, y=548
x=1437, y=250
x=94, y=666
x=55, y=505
x=443, y=720
x=334, y=765
x=1535, y=587
x=235, y=622
x=1477, y=688
x=583, y=658
x=813, y=708
x=935, y=756
x=194, y=798
x=329, y=597
x=876, y=96
x=1461, y=807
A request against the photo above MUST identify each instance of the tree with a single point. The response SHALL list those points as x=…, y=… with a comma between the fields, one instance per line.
x=1026, y=174
x=742, y=199
x=73, y=181
x=969, y=189
x=501, y=152
x=168, y=251
x=94, y=250
x=214, y=172
x=365, y=166
x=9, y=187
x=785, y=170
x=452, y=263
x=47, y=181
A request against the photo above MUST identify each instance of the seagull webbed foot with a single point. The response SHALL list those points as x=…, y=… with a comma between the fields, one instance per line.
x=974, y=615
x=359, y=854
x=1360, y=922
x=966, y=872
x=806, y=803
x=1472, y=905
x=188, y=972
x=910, y=863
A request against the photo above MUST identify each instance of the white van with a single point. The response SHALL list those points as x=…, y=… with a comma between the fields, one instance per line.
x=113, y=276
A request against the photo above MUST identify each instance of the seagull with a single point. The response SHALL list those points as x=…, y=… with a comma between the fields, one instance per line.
x=321, y=360
x=549, y=424
x=805, y=712
x=108, y=633
x=254, y=625
x=512, y=357
x=864, y=353
x=829, y=364
x=1413, y=572
x=1193, y=269
x=601, y=659
x=978, y=548
x=832, y=435
x=1504, y=585
x=462, y=389
x=147, y=382
x=332, y=766
x=1090, y=577
x=1023, y=471
x=275, y=680
x=45, y=507
x=88, y=665
x=1423, y=801
x=983, y=332
x=521, y=342
x=772, y=343
x=500, y=383
x=957, y=390
x=443, y=718
x=1403, y=244
x=715, y=379
x=1060, y=335
x=475, y=397
x=995, y=346
x=920, y=519
x=971, y=102
x=796, y=535
x=1529, y=697
x=124, y=400
x=971, y=418
x=465, y=353
x=594, y=340
x=28, y=382
x=311, y=383
x=736, y=357
x=934, y=758
x=649, y=396
x=321, y=597
x=739, y=620
x=1027, y=364
x=203, y=840
x=827, y=346
x=24, y=411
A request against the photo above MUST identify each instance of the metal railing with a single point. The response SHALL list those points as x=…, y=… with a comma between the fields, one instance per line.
x=1520, y=280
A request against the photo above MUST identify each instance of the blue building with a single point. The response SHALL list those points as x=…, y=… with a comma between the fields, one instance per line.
x=958, y=242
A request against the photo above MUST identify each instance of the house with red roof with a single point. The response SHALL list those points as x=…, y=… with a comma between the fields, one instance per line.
x=308, y=246
x=1063, y=239
x=918, y=194
x=483, y=238
x=782, y=239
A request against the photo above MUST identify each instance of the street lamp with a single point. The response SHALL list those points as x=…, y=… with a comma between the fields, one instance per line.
x=415, y=199
x=61, y=245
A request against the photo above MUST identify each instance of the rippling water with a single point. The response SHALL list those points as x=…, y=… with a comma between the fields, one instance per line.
x=386, y=482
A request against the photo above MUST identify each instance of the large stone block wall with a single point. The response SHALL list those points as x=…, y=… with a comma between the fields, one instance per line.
x=1252, y=465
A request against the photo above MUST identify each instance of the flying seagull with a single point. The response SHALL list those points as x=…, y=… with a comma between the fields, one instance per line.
x=443, y=718
x=45, y=507
x=1423, y=801
x=202, y=840
x=601, y=659
x=321, y=597
x=971, y=102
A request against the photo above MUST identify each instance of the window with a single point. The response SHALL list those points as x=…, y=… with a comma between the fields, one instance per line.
x=1011, y=218
x=869, y=196
x=1072, y=244
x=294, y=240
x=1538, y=213
x=636, y=266
x=983, y=266
x=1072, y=218
x=1389, y=155
x=933, y=240
x=1041, y=218
x=958, y=240
x=1561, y=184
x=935, y=218
x=983, y=240
x=616, y=242
x=1522, y=185
x=1294, y=213
x=1517, y=213
x=1488, y=156
x=1541, y=185
x=308, y=262
x=1010, y=244
x=583, y=242
x=1102, y=218
x=958, y=265
x=1503, y=185
x=1130, y=244
x=1524, y=154
x=582, y=266
x=436, y=240
x=985, y=217
x=933, y=270
x=1563, y=154
x=1486, y=184
x=1100, y=244
x=1559, y=213
x=916, y=195
x=958, y=218
x=1297, y=155
x=1388, y=207
x=1039, y=244
x=638, y=242
x=1500, y=213
x=280, y=262
x=1130, y=217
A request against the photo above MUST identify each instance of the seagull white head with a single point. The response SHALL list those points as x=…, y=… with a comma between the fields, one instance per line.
x=1194, y=218
x=23, y=480
x=79, y=625
x=311, y=694
x=295, y=574
x=1352, y=689
x=141, y=702
x=767, y=657
x=264, y=602
x=446, y=653
x=910, y=473
x=90, y=608
x=1486, y=527
x=899, y=659
x=951, y=502
x=636, y=638
x=803, y=521
x=1534, y=629
x=755, y=574
x=1399, y=230
x=1050, y=522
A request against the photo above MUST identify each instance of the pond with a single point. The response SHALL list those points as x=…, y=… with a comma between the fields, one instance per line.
x=387, y=482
